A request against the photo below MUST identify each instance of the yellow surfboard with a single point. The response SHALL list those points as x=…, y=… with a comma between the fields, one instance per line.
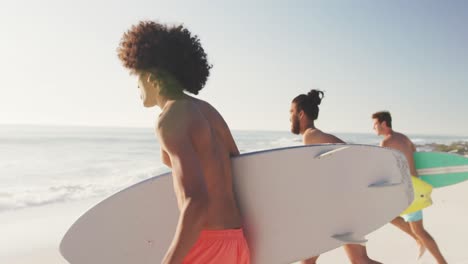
x=422, y=196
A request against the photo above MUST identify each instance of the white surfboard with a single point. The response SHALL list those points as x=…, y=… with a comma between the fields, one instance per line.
x=296, y=203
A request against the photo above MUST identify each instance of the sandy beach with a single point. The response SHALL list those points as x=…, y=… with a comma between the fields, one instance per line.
x=32, y=236
x=445, y=220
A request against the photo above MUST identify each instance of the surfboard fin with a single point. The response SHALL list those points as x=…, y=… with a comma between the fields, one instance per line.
x=330, y=152
x=384, y=184
x=349, y=238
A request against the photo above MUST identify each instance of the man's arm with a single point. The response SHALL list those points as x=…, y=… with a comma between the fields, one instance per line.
x=234, y=152
x=408, y=153
x=189, y=178
x=165, y=158
x=414, y=172
x=413, y=147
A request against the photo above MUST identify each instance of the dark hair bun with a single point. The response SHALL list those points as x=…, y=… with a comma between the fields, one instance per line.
x=315, y=96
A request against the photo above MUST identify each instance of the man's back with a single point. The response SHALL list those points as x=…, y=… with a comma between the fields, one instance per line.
x=213, y=146
x=316, y=136
x=402, y=143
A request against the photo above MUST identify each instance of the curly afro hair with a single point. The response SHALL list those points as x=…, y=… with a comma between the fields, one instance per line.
x=150, y=46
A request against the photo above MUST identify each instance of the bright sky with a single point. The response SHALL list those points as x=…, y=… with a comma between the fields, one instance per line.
x=59, y=66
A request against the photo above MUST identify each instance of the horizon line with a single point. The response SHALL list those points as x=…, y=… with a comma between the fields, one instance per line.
x=233, y=129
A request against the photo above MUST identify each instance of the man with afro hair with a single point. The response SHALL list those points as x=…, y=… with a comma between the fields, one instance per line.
x=196, y=142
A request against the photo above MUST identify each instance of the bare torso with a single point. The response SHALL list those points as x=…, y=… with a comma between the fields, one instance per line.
x=213, y=147
x=402, y=143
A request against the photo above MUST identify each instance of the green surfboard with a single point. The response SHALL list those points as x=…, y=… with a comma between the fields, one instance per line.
x=441, y=169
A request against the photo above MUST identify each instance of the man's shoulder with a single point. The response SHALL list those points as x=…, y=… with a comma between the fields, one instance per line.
x=389, y=141
x=176, y=112
x=330, y=138
x=398, y=141
x=404, y=138
x=320, y=137
x=311, y=136
x=335, y=139
x=174, y=119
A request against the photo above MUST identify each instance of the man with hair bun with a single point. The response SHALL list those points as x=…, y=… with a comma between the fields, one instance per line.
x=303, y=113
x=195, y=142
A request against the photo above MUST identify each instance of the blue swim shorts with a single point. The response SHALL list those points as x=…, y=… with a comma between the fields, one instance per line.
x=413, y=217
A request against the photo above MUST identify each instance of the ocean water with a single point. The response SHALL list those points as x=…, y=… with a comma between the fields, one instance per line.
x=41, y=165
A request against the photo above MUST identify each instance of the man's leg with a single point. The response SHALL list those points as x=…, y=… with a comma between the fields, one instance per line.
x=427, y=240
x=405, y=227
x=357, y=254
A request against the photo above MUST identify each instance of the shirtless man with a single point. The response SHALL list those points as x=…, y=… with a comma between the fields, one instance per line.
x=304, y=111
x=412, y=223
x=195, y=142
